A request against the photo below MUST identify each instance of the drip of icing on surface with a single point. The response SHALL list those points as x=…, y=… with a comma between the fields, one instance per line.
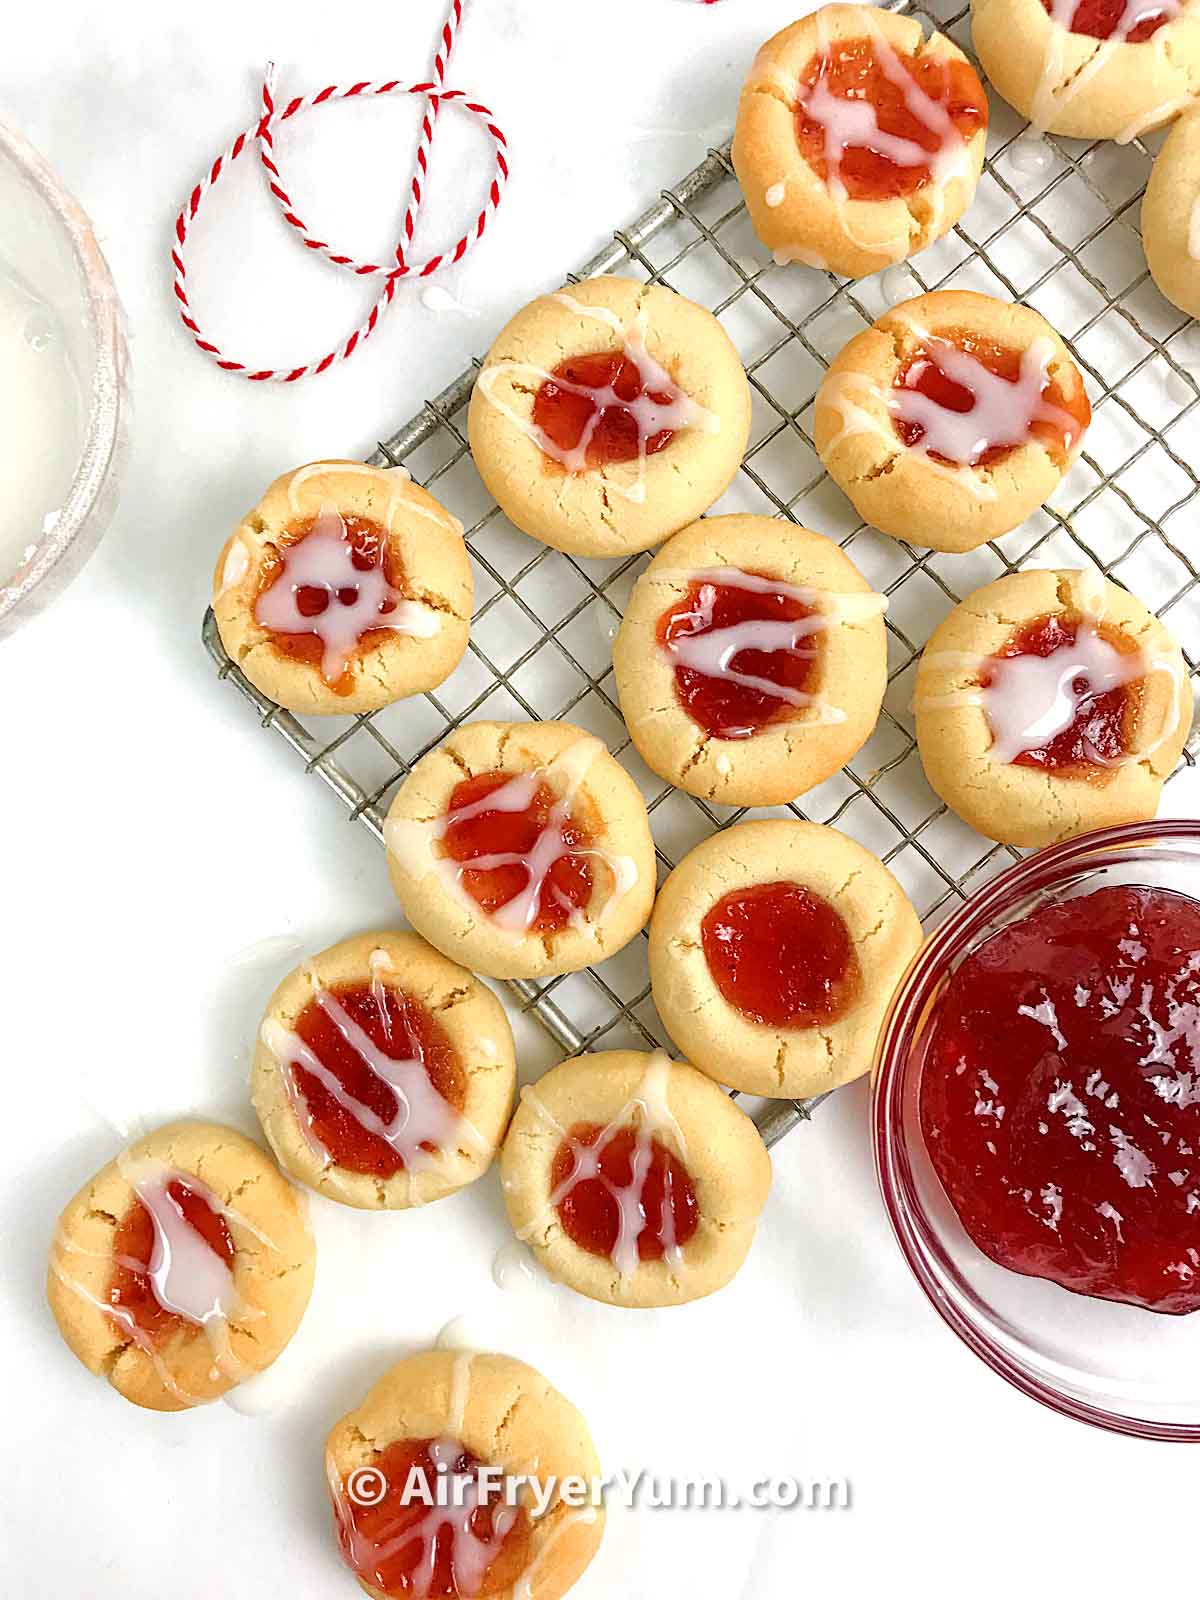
x=660, y=406
x=436, y=298
x=268, y=952
x=324, y=589
x=417, y=846
x=648, y=1117
x=513, y=1267
x=423, y=1128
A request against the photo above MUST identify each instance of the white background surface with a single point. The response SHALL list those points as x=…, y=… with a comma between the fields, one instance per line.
x=149, y=835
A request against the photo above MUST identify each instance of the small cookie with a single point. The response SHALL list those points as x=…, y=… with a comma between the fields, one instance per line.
x=1171, y=216
x=1048, y=704
x=752, y=660
x=347, y=587
x=183, y=1267
x=608, y=415
x=522, y=849
x=775, y=949
x=634, y=1178
x=952, y=419
x=858, y=140
x=384, y=1073
x=432, y=1480
x=1087, y=70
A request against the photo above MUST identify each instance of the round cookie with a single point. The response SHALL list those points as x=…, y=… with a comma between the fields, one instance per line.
x=858, y=140
x=347, y=587
x=570, y=871
x=752, y=660
x=183, y=1267
x=608, y=415
x=775, y=949
x=424, y=1477
x=384, y=1073
x=634, y=1178
x=1129, y=68
x=1171, y=216
x=952, y=419
x=1048, y=704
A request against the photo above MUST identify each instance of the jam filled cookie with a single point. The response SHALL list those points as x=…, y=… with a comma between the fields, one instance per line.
x=858, y=140
x=182, y=1267
x=752, y=660
x=1171, y=216
x=775, y=948
x=384, y=1073
x=1048, y=704
x=1090, y=69
x=608, y=415
x=347, y=587
x=952, y=419
x=430, y=1479
x=634, y=1178
x=522, y=849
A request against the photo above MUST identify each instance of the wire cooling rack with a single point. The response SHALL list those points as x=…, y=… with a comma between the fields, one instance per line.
x=1053, y=224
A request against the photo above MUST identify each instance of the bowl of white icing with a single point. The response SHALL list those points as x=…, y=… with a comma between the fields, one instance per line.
x=64, y=398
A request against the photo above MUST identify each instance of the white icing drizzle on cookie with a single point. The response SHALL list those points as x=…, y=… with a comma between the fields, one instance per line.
x=335, y=469
x=648, y=1111
x=416, y=845
x=352, y=601
x=1030, y=700
x=1057, y=87
x=235, y=566
x=678, y=413
x=713, y=652
x=523, y=1589
x=422, y=1115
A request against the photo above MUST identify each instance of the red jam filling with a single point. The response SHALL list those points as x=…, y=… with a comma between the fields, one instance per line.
x=781, y=955
x=565, y=888
x=1060, y=1099
x=370, y=548
x=1103, y=724
x=564, y=415
x=1100, y=19
x=921, y=373
x=402, y=1029
x=722, y=706
x=852, y=71
x=589, y=1210
x=132, y=1290
x=420, y=1549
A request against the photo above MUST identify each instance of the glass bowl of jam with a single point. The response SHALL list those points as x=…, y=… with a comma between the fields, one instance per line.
x=1036, y=1111
x=64, y=399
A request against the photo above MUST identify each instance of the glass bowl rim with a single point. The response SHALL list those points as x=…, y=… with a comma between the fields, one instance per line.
x=888, y=1145
x=105, y=400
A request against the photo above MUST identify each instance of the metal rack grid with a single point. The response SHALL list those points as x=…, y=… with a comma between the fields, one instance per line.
x=1052, y=224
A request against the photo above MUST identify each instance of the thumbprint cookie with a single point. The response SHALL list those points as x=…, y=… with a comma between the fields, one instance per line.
x=521, y=849
x=634, y=1179
x=952, y=419
x=858, y=140
x=384, y=1073
x=775, y=948
x=464, y=1476
x=608, y=415
x=752, y=660
x=1090, y=69
x=1048, y=704
x=347, y=587
x=1171, y=216
x=183, y=1267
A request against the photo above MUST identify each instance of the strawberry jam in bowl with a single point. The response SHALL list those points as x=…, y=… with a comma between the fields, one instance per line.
x=1037, y=1126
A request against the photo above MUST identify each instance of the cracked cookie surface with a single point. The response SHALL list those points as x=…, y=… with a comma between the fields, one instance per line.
x=271, y=1268
x=663, y=1138
x=427, y=1016
x=610, y=507
x=418, y=542
x=841, y=632
x=841, y=889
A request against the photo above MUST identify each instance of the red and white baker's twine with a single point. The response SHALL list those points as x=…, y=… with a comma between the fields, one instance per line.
x=262, y=136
